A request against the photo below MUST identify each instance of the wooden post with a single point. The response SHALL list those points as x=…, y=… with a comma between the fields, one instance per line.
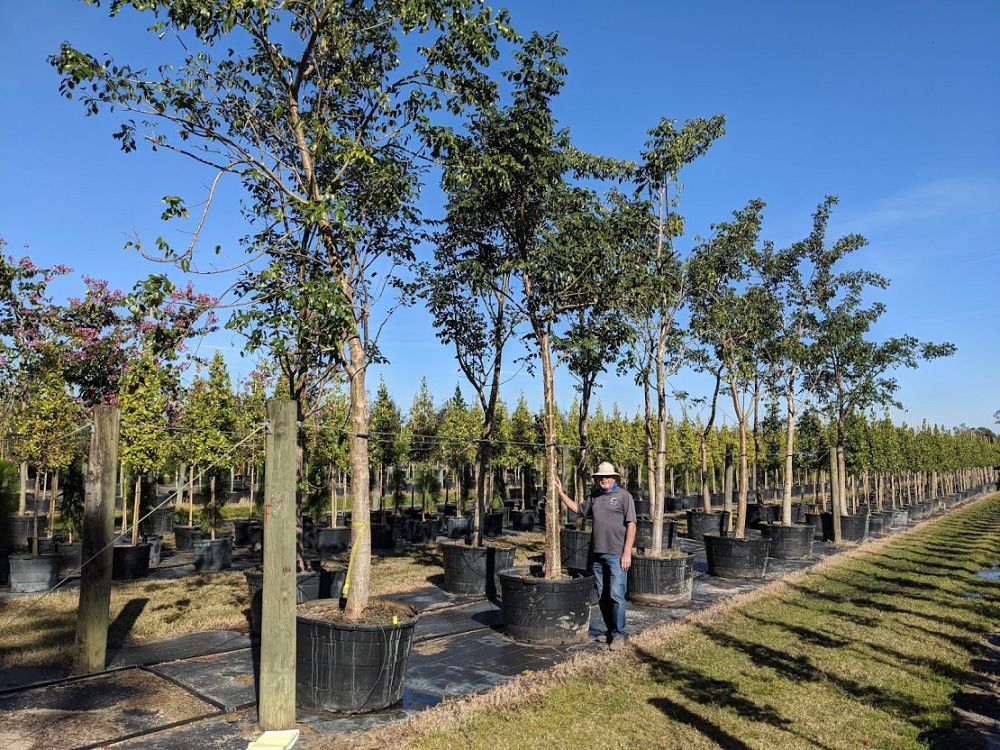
x=96, y=543
x=276, y=707
x=835, y=495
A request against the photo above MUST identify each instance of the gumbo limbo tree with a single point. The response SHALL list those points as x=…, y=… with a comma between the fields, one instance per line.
x=315, y=107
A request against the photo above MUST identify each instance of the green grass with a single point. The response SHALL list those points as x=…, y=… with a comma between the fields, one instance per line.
x=865, y=650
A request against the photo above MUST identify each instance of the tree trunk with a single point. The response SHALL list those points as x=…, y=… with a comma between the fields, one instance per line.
x=786, y=494
x=361, y=538
x=135, y=508
x=553, y=554
x=191, y=495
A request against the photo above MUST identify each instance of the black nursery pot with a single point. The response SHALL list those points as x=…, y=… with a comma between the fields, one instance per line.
x=661, y=581
x=700, y=523
x=642, y=507
x=30, y=573
x=213, y=554
x=382, y=537
x=852, y=528
x=758, y=515
x=732, y=557
x=789, y=542
x=816, y=521
x=493, y=524
x=130, y=562
x=473, y=570
x=332, y=541
x=309, y=585
x=351, y=667
x=574, y=548
x=522, y=520
x=184, y=537
x=644, y=534
x=545, y=612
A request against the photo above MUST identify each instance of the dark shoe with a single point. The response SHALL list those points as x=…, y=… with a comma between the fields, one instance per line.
x=617, y=644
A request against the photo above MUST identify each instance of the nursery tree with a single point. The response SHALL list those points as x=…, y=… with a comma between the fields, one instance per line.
x=545, y=230
x=386, y=446
x=144, y=442
x=314, y=108
x=734, y=316
x=847, y=371
x=46, y=417
x=658, y=283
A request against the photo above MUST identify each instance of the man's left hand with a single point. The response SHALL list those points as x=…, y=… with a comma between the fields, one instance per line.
x=626, y=560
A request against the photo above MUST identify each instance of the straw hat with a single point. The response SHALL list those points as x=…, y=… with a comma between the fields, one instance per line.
x=605, y=469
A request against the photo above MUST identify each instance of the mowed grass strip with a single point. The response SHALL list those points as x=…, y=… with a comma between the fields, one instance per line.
x=865, y=650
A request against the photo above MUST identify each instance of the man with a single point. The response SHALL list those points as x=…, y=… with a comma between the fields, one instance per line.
x=612, y=511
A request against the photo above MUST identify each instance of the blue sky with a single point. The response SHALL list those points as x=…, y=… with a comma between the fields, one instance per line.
x=892, y=106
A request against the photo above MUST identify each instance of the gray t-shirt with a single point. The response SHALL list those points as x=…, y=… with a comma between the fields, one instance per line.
x=610, y=511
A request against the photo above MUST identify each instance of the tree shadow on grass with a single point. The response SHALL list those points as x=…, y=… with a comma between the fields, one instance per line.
x=719, y=736
x=801, y=669
x=122, y=625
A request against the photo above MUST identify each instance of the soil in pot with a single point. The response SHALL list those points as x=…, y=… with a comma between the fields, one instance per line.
x=352, y=666
x=665, y=580
x=545, y=612
x=325, y=583
x=793, y=542
x=733, y=557
x=474, y=570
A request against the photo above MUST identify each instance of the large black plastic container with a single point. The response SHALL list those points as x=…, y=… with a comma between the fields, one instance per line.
x=241, y=532
x=852, y=528
x=4, y=567
x=155, y=542
x=382, y=537
x=46, y=545
x=816, y=521
x=332, y=541
x=29, y=574
x=644, y=534
x=758, y=515
x=900, y=517
x=878, y=524
x=473, y=570
x=456, y=528
x=732, y=557
x=159, y=521
x=662, y=581
x=546, y=612
x=793, y=542
x=642, y=507
x=69, y=557
x=184, y=537
x=522, y=520
x=20, y=528
x=213, y=554
x=309, y=585
x=574, y=548
x=918, y=511
x=700, y=523
x=493, y=524
x=351, y=667
x=130, y=562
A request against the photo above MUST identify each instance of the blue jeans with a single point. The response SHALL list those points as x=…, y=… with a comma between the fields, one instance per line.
x=611, y=586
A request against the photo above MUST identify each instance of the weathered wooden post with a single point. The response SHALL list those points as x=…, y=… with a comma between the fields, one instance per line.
x=835, y=496
x=276, y=707
x=96, y=543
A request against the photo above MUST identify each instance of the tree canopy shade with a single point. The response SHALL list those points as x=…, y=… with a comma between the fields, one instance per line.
x=316, y=107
